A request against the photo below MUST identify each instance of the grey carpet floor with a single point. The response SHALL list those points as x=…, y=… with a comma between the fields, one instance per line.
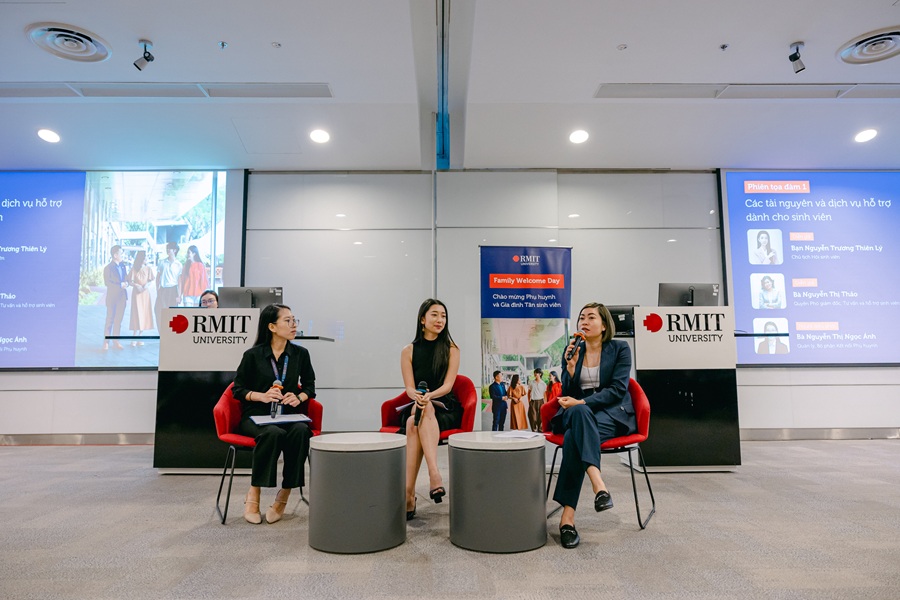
x=813, y=519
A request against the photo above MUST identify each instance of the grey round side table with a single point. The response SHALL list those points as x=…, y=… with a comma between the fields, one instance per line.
x=357, y=498
x=497, y=493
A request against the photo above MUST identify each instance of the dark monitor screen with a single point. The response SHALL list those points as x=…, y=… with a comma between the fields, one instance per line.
x=249, y=297
x=623, y=318
x=688, y=294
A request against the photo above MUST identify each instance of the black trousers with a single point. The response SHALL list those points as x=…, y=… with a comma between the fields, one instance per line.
x=290, y=439
x=585, y=431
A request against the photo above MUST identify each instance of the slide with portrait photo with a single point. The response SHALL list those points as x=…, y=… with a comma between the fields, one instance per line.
x=817, y=254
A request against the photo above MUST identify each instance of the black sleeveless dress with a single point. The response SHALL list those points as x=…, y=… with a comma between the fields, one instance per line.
x=423, y=370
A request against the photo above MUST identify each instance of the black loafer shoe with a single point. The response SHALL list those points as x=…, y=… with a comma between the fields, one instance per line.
x=568, y=536
x=602, y=501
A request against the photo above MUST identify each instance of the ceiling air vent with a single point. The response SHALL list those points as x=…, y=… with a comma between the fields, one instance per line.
x=68, y=42
x=871, y=47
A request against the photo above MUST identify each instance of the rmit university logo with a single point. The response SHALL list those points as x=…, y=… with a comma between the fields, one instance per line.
x=688, y=327
x=178, y=324
x=653, y=322
x=210, y=328
x=527, y=259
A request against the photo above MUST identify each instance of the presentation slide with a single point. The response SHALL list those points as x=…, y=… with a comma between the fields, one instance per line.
x=814, y=255
x=89, y=259
x=40, y=248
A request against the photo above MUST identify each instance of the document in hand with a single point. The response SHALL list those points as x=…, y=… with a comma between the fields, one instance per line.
x=267, y=420
x=437, y=403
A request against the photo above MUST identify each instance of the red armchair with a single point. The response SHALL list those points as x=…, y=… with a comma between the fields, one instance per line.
x=613, y=446
x=227, y=415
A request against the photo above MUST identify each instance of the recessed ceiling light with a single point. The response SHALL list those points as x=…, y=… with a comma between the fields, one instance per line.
x=357, y=243
x=671, y=240
x=865, y=135
x=319, y=136
x=712, y=212
x=48, y=136
x=574, y=216
x=578, y=137
x=552, y=240
x=340, y=215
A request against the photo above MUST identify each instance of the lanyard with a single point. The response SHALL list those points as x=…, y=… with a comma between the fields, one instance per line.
x=283, y=370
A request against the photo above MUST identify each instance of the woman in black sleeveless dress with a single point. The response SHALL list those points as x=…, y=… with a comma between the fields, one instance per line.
x=432, y=358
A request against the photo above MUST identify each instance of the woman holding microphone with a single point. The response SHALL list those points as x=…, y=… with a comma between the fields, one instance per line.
x=275, y=373
x=433, y=359
x=595, y=406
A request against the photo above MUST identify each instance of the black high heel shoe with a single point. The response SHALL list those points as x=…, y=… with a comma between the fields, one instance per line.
x=437, y=494
x=411, y=514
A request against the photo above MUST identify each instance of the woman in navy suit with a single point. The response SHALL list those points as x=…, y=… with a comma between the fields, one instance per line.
x=594, y=407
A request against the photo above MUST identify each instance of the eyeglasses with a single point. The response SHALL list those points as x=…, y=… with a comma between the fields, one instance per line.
x=291, y=322
x=208, y=302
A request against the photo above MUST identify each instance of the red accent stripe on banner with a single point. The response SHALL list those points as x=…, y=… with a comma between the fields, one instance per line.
x=515, y=280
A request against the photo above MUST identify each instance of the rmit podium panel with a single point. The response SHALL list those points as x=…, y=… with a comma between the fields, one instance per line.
x=199, y=350
x=685, y=362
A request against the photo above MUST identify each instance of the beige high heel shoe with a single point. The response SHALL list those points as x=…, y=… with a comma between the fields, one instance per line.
x=276, y=511
x=252, y=515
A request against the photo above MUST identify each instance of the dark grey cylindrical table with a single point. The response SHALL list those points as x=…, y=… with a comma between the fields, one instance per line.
x=497, y=493
x=357, y=492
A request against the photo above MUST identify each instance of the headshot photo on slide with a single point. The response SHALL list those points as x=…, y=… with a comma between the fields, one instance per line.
x=767, y=291
x=764, y=246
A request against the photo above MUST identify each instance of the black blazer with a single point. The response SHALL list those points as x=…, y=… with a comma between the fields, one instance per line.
x=611, y=395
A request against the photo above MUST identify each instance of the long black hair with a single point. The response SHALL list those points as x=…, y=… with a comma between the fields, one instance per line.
x=267, y=316
x=444, y=341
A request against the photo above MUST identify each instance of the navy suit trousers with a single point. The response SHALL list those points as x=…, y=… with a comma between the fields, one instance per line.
x=584, y=432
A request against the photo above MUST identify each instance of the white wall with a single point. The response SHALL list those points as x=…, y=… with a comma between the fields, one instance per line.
x=366, y=295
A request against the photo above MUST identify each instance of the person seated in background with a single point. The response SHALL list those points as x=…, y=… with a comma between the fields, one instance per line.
x=433, y=359
x=274, y=356
x=209, y=299
x=595, y=407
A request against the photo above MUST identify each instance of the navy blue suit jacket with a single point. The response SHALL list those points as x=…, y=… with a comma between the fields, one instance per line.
x=615, y=372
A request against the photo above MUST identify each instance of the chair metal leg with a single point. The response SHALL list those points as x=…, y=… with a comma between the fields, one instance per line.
x=552, y=467
x=232, y=455
x=637, y=505
x=550, y=480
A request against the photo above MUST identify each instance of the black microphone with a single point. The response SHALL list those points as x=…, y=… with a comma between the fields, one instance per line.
x=421, y=388
x=273, y=406
x=575, y=337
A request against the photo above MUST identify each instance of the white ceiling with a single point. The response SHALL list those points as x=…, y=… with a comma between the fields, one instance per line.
x=523, y=74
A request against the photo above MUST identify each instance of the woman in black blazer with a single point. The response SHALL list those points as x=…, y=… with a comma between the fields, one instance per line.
x=594, y=407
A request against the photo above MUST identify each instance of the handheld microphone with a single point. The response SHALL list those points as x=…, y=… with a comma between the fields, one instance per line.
x=422, y=387
x=575, y=336
x=273, y=406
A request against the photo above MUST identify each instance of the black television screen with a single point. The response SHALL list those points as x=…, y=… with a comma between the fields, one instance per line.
x=249, y=297
x=688, y=294
x=623, y=318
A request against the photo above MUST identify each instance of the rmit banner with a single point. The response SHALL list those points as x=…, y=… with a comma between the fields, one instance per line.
x=522, y=282
x=205, y=339
x=681, y=337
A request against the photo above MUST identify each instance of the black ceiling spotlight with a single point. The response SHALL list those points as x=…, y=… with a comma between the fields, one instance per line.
x=794, y=57
x=146, y=58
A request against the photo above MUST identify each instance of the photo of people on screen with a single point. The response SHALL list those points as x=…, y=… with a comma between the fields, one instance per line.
x=771, y=344
x=767, y=291
x=764, y=246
